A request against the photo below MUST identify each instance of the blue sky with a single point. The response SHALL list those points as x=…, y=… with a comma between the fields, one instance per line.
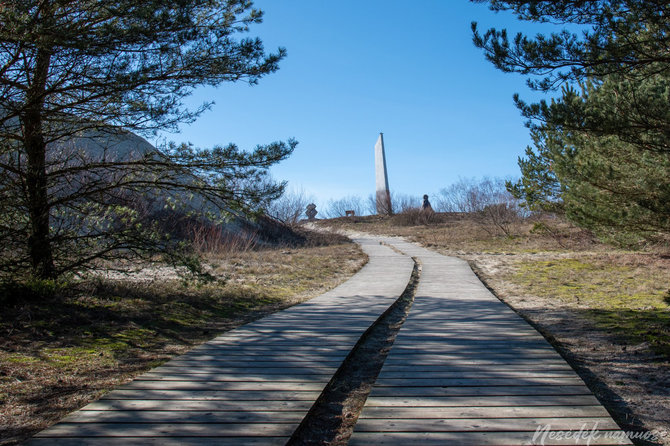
x=355, y=68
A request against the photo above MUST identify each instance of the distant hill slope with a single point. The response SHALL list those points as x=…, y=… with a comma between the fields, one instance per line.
x=112, y=144
x=117, y=145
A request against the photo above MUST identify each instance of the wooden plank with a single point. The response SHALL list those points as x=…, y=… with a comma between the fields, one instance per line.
x=476, y=391
x=454, y=333
x=478, y=373
x=485, y=412
x=304, y=355
x=323, y=313
x=424, y=330
x=473, y=362
x=447, y=345
x=170, y=430
x=246, y=377
x=251, y=363
x=441, y=325
x=298, y=332
x=235, y=386
x=200, y=405
x=162, y=441
x=480, y=439
x=184, y=416
x=245, y=395
x=298, y=357
x=423, y=381
x=528, y=363
x=477, y=356
x=242, y=334
x=483, y=425
x=343, y=327
x=240, y=337
x=166, y=370
x=399, y=366
x=327, y=317
x=481, y=400
x=273, y=343
x=267, y=347
x=459, y=335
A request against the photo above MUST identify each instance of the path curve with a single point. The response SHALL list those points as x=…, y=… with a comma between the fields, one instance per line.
x=253, y=384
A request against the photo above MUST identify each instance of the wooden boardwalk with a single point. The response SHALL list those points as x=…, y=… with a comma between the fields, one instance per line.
x=464, y=370
x=254, y=384
x=467, y=370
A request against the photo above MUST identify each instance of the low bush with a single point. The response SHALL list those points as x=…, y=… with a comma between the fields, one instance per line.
x=416, y=217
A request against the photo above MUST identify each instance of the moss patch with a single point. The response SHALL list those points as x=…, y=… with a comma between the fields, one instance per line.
x=625, y=298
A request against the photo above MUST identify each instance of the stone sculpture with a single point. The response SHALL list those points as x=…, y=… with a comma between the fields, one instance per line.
x=425, y=206
x=311, y=212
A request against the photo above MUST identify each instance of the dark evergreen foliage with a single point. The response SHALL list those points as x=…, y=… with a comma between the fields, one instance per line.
x=92, y=70
x=602, y=148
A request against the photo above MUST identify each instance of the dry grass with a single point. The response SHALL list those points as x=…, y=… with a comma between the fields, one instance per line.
x=57, y=355
x=462, y=234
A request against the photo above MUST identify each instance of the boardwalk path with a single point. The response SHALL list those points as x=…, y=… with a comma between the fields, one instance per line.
x=254, y=384
x=465, y=369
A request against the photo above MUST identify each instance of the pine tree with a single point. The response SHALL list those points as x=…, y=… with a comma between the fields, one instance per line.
x=602, y=149
x=94, y=70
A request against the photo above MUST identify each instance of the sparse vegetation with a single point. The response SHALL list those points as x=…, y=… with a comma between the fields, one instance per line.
x=290, y=207
x=415, y=217
x=463, y=233
x=339, y=208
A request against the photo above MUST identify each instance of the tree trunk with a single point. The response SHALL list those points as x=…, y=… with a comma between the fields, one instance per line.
x=39, y=243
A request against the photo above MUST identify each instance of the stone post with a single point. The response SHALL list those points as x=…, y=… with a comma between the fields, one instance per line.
x=383, y=194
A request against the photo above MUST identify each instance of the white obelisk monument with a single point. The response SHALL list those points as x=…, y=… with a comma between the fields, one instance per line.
x=383, y=194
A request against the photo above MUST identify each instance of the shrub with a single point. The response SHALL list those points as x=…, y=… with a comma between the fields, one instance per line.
x=416, y=217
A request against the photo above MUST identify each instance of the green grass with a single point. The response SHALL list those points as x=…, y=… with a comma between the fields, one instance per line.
x=18, y=358
x=636, y=326
x=630, y=301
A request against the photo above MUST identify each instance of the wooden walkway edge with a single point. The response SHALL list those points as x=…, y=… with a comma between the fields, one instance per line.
x=252, y=385
x=465, y=369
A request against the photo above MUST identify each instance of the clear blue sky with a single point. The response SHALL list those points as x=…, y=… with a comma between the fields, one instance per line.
x=355, y=68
